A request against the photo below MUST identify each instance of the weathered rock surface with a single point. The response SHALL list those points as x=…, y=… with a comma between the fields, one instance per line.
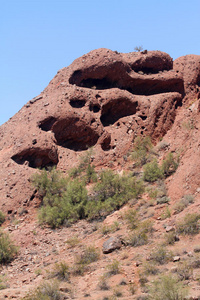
x=111, y=244
x=102, y=100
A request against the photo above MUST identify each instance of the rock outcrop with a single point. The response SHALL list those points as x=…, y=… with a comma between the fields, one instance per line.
x=102, y=100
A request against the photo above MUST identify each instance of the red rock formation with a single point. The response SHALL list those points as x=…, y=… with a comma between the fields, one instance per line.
x=103, y=99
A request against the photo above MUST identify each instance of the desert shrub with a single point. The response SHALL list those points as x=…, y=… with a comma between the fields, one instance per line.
x=89, y=255
x=3, y=283
x=169, y=165
x=142, y=279
x=8, y=250
x=162, y=200
x=152, y=171
x=91, y=175
x=166, y=213
x=111, y=192
x=189, y=225
x=117, y=293
x=167, y=288
x=161, y=255
x=2, y=217
x=131, y=218
x=65, y=200
x=113, y=268
x=49, y=183
x=61, y=271
x=73, y=241
x=103, y=283
x=152, y=192
x=141, y=150
x=140, y=236
x=183, y=203
x=137, y=238
x=67, y=208
x=170, y=238
x=138, y=48
x=46, y=291
x=106, y=229
x=132, y=288
x=150, y=268
x=184, y=270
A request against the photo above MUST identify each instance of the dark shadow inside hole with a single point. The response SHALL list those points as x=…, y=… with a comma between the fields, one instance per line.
x=35, y=159
x=114, y=110
x=77, y=103
x=143, y=117
x=94, y=107
x=99, y=84
x=47, y=123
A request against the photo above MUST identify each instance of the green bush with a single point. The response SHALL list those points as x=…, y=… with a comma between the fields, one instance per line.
x=2, y=218
x=64, y=208
x=167, y=288
x=90, y=254
x=111, y=192
x=152, y=171
x=189, y=225
x=140, y=236
x=113, y=268
x=184, y=270
x=149, y=268
x=61, y=271
x=131, y=218
x=46, y=291
x=183, y=203
x=170, y=238
x=161, y=255
x=103, y=283
x=65, y=200
x=8, y=250
x=169, y=165
x=141, y=150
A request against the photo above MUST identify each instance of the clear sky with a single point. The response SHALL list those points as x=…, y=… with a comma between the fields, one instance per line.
x=39, y=37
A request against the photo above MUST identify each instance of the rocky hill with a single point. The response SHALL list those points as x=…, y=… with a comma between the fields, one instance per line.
x=103, y=100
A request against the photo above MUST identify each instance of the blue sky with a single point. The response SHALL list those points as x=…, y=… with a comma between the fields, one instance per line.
x=39, y=37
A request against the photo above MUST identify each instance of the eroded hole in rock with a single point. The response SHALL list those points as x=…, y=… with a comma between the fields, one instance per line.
x=99, y=84
x=179, y=103
x=47, y=123
x=77, y=103
x=94, y=107
x=74, y=134
x=145, y=71
x=36, y=158
x=114, y=110
x=143, y=117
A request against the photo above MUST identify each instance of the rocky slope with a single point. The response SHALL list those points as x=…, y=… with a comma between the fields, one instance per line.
x=103, y=100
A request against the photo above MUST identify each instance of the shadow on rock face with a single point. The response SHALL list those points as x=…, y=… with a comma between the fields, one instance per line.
x=37, y=158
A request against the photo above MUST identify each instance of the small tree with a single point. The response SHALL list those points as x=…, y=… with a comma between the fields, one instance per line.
x=152, y=172
x=138, y=48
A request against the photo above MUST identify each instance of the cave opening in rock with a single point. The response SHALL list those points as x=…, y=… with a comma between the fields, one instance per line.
x=47, y=123
x=74, y=134
x=116, y=109
x=99, y=84
x=36, y=158
x=77, y=103
x=94, y=107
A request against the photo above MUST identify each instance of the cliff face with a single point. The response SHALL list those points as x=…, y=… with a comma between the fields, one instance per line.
x=104, y=99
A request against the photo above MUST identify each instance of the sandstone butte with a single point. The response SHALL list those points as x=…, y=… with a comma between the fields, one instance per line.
x=104, y=100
